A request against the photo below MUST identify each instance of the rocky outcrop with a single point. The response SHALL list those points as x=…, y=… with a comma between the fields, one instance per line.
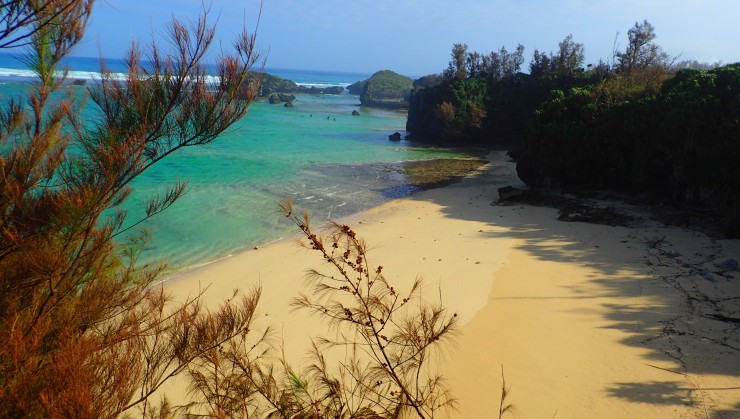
x=396, y=136
x=315, y=90
x=357, y=88
x=270, y=85
x=276, y=98
x=384, y=89
x=355, y=113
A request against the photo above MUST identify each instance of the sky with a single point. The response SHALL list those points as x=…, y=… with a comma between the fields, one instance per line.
x=414, y=37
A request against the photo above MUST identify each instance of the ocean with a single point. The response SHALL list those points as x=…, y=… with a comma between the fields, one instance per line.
x=316, y=153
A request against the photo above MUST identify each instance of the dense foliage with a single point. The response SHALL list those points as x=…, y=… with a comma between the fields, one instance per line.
x=484, y=97
x=430, y=80
x=482, y=110
x=639, y=124
x=384, y=89
x=680, y=143
x=84, y=331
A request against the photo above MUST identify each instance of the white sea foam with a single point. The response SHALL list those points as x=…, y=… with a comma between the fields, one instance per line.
x=73, y=75
x=12, y=72
x=82, y=75
x=22, y=73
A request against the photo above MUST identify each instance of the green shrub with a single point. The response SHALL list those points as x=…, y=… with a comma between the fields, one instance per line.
x=680, y=142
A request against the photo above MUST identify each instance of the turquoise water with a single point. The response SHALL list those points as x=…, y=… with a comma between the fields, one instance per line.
x=317, y=154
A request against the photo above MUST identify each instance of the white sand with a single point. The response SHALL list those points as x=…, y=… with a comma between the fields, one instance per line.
x=575, y=312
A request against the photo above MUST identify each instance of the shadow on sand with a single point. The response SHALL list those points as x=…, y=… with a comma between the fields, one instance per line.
x=678, y=324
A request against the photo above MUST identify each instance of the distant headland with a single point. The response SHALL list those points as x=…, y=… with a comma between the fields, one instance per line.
x=384, y=89
x=271, y=84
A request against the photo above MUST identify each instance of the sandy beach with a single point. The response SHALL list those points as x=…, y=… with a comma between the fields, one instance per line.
x=586, y=320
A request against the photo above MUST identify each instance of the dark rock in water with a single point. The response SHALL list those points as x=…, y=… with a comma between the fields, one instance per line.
x=396, y=136
x=289, y=104
x=326, y=90
x=334, y=90
x=508, y=192
x=273, y=84
x=79, y=82
x=355, y=112
x=432, y=173
x=276, y=98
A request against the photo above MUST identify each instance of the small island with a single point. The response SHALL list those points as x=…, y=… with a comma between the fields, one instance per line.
x=384, y=89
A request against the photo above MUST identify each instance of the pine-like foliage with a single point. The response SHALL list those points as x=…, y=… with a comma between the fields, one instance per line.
x=375, y=363
x=87, y=333
x=84, y=332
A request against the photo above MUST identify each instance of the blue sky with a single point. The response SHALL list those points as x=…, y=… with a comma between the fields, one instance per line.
x=414, y=37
